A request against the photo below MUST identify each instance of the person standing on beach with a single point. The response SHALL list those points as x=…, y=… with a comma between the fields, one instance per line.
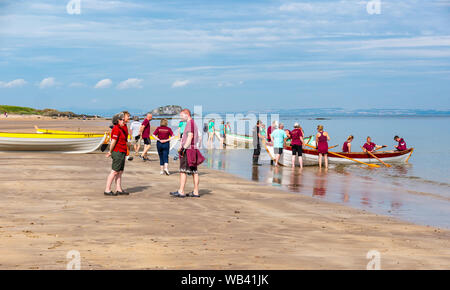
x=211, y=132
x=144, y=131
x=322, y=139
x=181, y=127
x=347, y=147
x=278, y=136
x=126, y=119
x=163, y=134
x=118, y=152
x=190, y=156
x=222, y=134
x=297, y=144
x=271, y=128
x=135, y=127
x=257, y=140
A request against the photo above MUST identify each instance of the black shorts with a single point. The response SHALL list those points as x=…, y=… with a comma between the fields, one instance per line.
x=147, y=141
x=136, y=139
x=297, y=150
x=278, y=151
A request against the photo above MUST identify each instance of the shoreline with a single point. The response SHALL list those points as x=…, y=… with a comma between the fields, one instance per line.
x=54, y=203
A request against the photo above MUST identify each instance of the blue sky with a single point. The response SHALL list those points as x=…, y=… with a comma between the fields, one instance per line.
x=225, y=55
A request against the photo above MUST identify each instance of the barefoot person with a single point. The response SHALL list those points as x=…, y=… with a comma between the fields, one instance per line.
x=190, y=156
x=211, y=133
x=271, y=128
x=257, y=140
x=118, y=152
x=135, y=127
x=163, y=135
x=278, y=137
x=347, y=147
x=369, y=146
x=322, y=139
x=401, y=144
x=297, y=144
x=144, y=131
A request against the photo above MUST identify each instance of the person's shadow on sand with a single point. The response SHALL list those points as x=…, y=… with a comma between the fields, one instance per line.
x=203, y=192
x=137, y=189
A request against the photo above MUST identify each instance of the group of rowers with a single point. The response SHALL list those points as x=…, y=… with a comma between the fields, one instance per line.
x=277, y=137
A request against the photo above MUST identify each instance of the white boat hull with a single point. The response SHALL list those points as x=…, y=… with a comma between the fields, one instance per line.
x=70, y=145
x=311, y=159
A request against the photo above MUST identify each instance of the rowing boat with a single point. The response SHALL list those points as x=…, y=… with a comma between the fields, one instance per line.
x=61, y=143
x=311, y=156
x=49, y=131
x=236, y=140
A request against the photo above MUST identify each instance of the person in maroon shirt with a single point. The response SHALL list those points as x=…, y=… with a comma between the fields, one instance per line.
x=369, y=146
x=118, y=152
x=271, y=128
x=401, y=144
x=190, y=156
x=145, y=135
x=163, y=135
x=297, y=144
x=347, y=147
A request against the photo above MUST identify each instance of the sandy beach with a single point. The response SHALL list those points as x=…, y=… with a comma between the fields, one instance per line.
x=54, y=203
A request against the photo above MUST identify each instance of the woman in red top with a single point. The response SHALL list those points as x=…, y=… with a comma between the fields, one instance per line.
x=118, y=152
x=296, y=144
x=347, y=147
x=322, y=139
x=163, y=134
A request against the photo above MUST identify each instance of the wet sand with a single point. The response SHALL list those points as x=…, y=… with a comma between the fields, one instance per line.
x=53, y=203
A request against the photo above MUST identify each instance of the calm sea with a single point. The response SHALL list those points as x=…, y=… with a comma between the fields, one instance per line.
x=418, y=192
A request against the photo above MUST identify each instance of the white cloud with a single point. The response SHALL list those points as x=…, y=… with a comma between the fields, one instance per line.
x=178, y=83
x=130, y=83
x=13, y=84
x=103, y=84
x=47, y=83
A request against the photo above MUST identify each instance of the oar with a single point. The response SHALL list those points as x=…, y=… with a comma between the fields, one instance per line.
x=333, y=146
x=270, y=155
x=373, y=155
x=412, y=150
x=336, y=154
x=384, y=146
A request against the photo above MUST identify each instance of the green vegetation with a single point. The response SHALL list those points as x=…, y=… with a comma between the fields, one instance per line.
x=45, y=112
x=19, y=110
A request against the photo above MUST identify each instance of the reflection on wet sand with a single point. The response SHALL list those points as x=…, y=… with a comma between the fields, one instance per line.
x=320, y=183
x=255, y=173
x=356, y=186
x=277, y=176
x=295, y=183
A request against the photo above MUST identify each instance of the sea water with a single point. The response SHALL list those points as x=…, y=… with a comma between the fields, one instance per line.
x=417, y=192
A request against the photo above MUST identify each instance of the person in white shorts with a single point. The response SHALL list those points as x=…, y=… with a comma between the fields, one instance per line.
x=135, y=127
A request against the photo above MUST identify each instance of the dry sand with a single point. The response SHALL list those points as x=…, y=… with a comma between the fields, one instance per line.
x=53, y=203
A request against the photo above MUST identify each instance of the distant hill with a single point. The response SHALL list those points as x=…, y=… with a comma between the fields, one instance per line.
x=169, y=110
x=45, y=112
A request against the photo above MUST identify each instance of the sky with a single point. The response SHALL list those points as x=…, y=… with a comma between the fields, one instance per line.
x=225, y=55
